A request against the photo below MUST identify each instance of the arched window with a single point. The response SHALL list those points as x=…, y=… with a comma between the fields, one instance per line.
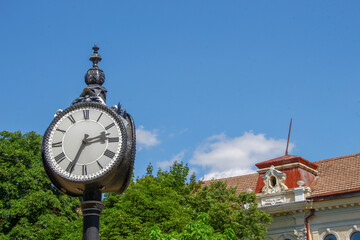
x=273, y=181
x=330, y=237
x=355, y=236
x=286, y=237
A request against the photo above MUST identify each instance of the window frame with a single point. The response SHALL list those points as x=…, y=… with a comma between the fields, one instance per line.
x=327, y=232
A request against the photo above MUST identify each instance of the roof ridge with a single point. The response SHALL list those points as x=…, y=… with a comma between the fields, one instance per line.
x=337, y=158
x=231, y=177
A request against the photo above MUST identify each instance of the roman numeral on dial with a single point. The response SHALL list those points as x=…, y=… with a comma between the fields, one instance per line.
x=113, y=139
x=101, y=167
x=84, y=170
x=86, y=114
x=110, y=126
x=72, y=119
x=60, y=157
x=99, y=117
x=70, y=167
x=58, y=144
x=109, y=153
x=60, y=130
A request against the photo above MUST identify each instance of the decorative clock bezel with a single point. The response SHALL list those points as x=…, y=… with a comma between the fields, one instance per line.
x=48, y=159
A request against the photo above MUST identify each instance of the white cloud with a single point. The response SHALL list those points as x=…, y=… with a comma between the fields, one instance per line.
x=226, y=157
x=146, y=138
x=227, y=173
x=178, y=157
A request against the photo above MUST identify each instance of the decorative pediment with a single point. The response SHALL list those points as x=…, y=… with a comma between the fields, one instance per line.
x=274, y=181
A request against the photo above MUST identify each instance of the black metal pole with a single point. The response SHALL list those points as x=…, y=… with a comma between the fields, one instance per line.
x=91, y=207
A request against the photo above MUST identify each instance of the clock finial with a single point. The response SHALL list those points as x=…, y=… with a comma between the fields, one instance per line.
x=95, y=75
x=94, y=78
x=95, y=57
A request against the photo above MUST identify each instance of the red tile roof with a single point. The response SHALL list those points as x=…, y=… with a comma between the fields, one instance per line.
x=242, y=183
x=336, y=175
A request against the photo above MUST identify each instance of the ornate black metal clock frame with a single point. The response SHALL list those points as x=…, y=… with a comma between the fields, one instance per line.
x=89, y=148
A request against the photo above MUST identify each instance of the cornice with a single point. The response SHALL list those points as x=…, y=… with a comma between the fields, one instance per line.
x=287, y=207
x=290, y=165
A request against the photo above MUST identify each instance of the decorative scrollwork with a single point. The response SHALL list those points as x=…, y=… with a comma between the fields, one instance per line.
x=274, y=181
x=92, y=93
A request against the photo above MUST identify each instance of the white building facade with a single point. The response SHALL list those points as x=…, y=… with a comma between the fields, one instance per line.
x=307, y=200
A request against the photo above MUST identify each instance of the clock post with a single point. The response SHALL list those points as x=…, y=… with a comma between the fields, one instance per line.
x=91, y=207
x=89, y=148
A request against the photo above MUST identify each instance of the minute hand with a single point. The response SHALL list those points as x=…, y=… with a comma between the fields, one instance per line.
x=71, y=166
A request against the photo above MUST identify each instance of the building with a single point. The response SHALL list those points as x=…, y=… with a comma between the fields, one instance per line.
x=307, y=200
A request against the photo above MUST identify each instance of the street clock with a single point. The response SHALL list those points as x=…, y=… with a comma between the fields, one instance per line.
x=89, y=146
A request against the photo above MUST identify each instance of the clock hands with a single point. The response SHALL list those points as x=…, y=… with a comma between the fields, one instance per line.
x=101, y=137
x=86, y=141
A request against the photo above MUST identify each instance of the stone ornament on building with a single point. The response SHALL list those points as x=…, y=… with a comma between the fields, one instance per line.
x=274, y=181
x=300, y=234
x=272, y=200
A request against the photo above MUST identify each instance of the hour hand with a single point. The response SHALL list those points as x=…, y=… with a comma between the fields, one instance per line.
x=101, y=137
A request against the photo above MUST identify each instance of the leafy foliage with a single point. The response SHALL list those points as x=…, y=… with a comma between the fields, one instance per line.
x=199, y=229
x=165, y=206
x=30, y=207
x=227, y=210
x=148, y=202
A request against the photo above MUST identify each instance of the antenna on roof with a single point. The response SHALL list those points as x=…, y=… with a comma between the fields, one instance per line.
x=287, y=145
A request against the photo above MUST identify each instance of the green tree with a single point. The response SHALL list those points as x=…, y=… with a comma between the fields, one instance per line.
x=165, y=206
x=199, y=229
x=228, y=210
x=30, y=207
x=148, y=201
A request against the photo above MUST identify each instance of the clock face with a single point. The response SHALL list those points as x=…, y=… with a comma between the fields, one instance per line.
x=84, y=142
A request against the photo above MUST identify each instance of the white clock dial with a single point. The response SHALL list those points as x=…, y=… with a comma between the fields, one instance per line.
x=85, y=142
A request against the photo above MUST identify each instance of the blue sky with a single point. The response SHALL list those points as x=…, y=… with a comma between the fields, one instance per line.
x=210, y=83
